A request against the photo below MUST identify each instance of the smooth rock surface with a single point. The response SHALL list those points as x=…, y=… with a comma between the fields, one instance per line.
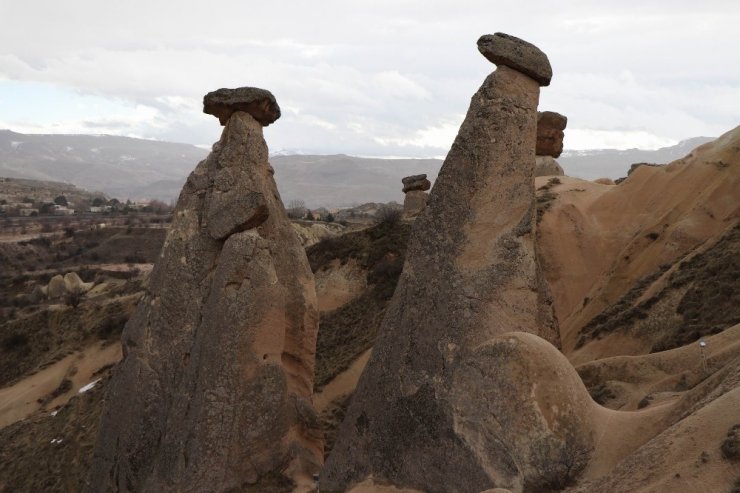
x=260, y=103
x=547, y=166
x=214, y=391
x=56, y=288
x=504, y=49
x=550, y=126
x=424, y=415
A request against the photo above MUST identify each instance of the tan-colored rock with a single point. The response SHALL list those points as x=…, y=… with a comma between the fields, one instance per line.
x=56, y=288
x=550, y=127
x=547, y=166
x=73, y=283
x=450, y=399
x=214, y=391
x=604, y=181
x=413, y=203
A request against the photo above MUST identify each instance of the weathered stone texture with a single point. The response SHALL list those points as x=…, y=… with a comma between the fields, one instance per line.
x=260, y=103
x=504, y=49
x=416, y=182
x=413, y=203
x=445, y=403
x=214, y=391
x=547, y=166
x=550, y=126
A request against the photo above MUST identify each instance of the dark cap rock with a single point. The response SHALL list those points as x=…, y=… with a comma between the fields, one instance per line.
x=503, y=49
x=550, y=126
x=416, y=182
x=260, y=103
x=552, y=119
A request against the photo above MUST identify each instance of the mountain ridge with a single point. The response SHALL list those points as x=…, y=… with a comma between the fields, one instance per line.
x=130, y=167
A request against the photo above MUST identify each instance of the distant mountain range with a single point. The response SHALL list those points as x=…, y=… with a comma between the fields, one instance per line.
x=125, y=167
x=613, y=163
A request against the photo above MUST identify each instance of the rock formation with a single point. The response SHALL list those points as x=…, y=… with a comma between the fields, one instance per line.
x=415, y=187
x=259, y=103
x=550, y=126
x=56, y=288
x=547, y=166
x=451, y=398
x=214, y=391
x=62, y=285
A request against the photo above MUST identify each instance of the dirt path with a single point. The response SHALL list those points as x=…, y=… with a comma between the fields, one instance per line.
x=20, y=400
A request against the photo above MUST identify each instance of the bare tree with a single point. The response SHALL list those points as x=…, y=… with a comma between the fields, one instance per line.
x=296, y=209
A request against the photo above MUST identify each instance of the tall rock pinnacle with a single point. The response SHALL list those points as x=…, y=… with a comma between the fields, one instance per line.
x=214, y=391
x=446, y=401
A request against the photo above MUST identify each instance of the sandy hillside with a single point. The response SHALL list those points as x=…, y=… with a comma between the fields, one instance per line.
x=597, y=240
x=53, y=386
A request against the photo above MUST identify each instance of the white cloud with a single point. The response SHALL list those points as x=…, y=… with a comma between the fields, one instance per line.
x=580, y=139
x=377, y=77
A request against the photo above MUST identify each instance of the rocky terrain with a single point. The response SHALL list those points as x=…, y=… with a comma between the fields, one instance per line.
x=514, y=334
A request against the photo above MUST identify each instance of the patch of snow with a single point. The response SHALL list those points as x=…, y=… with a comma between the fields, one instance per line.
x=68, y=148
x=95, y=149
x=56, y=440
x=55, y=412
x=14, y=144
x=127, y=158
x=88, y=386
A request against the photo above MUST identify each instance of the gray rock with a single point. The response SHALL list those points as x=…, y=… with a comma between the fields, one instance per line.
x=214, y=391
x=550, y=126
x=260, y=103
x=447, y=401
x=504, y=49
x=416, y=182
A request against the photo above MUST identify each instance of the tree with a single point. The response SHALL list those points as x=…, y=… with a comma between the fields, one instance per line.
x=98, y=202
x=61, y=200
x=329, y=218
x=159, y=207
x=309, y=216
x=296, y=209
x=388, y=215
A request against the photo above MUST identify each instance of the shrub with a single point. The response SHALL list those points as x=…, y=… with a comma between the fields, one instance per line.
x=560, y=464
x=74, y=298
x=15, y=341
x=112, y=327
x=389, y=216
x=64, y=386
x=731, y=446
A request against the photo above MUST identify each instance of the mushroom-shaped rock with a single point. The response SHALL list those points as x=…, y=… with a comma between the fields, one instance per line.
x=504, y=49
x=550, y=126
x=260, y=103
x=416, y=182
x=214, y=390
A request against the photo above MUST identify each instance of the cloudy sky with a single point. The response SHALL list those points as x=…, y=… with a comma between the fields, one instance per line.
x=371, y=78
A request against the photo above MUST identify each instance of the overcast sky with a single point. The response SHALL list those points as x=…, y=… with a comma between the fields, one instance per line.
x=371, y=78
